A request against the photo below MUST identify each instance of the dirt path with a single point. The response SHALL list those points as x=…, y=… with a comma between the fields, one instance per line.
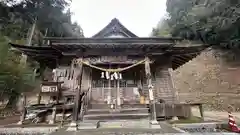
x=9, y=120
x=216, y=115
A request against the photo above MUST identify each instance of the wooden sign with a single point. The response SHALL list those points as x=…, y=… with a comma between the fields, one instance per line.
x=46, y=89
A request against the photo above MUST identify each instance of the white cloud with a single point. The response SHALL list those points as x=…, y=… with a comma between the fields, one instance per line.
x=139, y=16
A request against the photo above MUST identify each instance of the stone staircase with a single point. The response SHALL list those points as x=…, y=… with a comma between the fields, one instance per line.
x=103, y=112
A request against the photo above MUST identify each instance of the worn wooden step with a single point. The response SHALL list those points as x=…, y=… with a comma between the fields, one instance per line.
x=115, y=111
x=135, y=105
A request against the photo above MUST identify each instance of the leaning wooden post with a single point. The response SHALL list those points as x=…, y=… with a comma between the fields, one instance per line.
x=23, y=109
x=39, y=98
x=201, y=111
x=63, y=111
x=54, y=111
x=150, y=89
x=77, y=97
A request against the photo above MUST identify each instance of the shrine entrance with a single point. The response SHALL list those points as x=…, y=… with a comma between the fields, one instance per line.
x=116, y=88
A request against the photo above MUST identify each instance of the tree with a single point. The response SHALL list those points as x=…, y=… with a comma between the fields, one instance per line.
x=48, y=14
x=212, y=22
x=162, y=29
x=16, y=19
x=14, y=78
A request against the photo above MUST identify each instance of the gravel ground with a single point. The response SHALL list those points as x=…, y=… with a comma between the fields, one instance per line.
x=27, y=131
x=217, y=115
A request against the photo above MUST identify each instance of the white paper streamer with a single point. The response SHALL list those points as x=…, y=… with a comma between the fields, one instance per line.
x=120, y=76
x=107, y=75
x=102, y=75
x=115, y=75
x=112, y=77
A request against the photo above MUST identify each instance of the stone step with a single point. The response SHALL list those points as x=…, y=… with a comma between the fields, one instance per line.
x=117, y=116
x=108, y=106
x=141, y=123
x=99, y=106
x=114, y=111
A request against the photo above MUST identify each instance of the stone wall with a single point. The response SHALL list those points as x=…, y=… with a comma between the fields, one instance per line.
x=163, y=85
x=211, y=78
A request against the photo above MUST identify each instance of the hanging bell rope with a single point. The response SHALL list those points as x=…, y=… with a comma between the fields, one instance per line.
x=110, y=70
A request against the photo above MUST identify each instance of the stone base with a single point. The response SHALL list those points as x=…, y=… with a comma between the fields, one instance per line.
x=154, y=122
x=20, y=123
x=51, y=122
x=175, y=118
x=72, y=126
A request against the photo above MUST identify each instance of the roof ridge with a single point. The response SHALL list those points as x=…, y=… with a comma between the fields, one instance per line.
x=114, y=27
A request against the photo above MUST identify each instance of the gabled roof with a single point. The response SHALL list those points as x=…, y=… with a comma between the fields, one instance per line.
x=114, y=28
x=49, y=55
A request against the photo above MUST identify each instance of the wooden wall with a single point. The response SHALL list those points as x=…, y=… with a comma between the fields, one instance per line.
x=86, y=78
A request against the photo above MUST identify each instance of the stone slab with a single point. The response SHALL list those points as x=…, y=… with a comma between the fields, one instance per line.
x=125, y=124
x=88, y=125
x=206, y=126
x=131, y=132
x=30, y=131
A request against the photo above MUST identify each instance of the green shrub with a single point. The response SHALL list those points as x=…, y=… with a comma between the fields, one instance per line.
x=15, y=78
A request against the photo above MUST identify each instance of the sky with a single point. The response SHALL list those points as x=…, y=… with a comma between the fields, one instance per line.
x=139, y=16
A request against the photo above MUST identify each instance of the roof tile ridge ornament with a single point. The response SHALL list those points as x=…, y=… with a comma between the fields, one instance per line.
x=115, y=27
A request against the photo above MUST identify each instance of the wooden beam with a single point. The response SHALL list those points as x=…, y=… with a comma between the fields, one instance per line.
x=110, y=52
x=77, y=97
x=97, y=40
x=113, y=44
x=181, y=60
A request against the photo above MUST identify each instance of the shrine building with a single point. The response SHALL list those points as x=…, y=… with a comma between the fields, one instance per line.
x=116, y=68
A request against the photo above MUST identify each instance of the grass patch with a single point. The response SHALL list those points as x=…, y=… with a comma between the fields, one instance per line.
x=193, y=119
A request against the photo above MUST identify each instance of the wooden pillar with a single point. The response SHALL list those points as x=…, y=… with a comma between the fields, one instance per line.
x=23, y=109
x=77, y=97
x=63, y=112
x=58, y=91
x=109, y=98
x=150, y=89
x=118, y=94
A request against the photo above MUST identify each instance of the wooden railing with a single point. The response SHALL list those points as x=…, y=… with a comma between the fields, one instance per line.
x=84, y=103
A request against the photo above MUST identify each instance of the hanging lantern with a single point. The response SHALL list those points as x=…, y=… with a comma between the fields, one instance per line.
x=107, y=75
x=115, y=75
x=102, y=75
x=120, y=76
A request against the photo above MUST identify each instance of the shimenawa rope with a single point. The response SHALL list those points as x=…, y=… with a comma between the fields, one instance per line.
x=110, y=70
